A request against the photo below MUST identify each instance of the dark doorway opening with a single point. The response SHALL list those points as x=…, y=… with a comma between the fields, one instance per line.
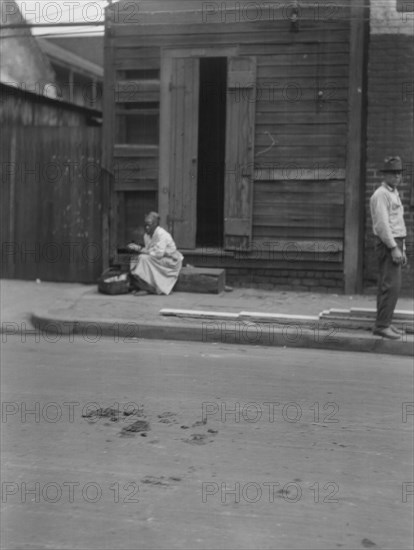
x=211, y=151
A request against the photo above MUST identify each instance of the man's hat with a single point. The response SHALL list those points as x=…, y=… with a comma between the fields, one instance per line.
x=392, y=164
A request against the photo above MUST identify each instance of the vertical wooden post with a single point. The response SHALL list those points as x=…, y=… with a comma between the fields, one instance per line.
x=240, y=130
x=108, y=149
x=354, y=182
x=71, y=87
x=165, y=137
x=12, y=197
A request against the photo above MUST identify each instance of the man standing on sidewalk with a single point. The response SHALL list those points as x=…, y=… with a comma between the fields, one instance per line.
x=389, y=228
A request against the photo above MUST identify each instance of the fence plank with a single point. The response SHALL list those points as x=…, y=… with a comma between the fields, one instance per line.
x=57, y=204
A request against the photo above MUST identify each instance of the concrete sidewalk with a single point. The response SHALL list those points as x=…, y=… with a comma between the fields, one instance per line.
x=64, y=308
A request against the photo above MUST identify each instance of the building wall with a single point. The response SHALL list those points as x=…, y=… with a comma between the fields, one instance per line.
x=390, y=117
x=300, y=131
x=78, y=78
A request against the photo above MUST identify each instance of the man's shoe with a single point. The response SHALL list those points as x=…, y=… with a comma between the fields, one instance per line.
x=386, y=333
x=396, y=330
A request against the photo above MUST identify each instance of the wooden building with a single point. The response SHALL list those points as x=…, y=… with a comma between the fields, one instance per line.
x=242, y=124
x=77, y=62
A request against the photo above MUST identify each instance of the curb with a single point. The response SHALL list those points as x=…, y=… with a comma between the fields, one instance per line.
x=224, y=332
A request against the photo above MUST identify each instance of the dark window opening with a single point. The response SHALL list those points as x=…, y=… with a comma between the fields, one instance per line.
x=211, y=151
x=139, y=74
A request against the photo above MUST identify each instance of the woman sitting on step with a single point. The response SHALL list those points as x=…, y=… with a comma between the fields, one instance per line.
x=156, y=268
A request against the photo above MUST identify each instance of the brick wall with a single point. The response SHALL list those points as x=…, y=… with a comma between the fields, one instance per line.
x=390, y=130
x=329, y=281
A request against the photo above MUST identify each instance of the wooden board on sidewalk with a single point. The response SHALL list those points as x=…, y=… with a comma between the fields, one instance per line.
x=201, y=280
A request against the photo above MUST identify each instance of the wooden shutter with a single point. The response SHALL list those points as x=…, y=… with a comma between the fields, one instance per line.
x=182, y=210
x=239, y=169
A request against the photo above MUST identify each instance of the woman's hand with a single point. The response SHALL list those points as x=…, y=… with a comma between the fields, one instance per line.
x=134, y=247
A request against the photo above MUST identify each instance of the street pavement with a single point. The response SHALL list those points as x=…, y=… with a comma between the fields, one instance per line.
x=207, y=446
x=64, y=307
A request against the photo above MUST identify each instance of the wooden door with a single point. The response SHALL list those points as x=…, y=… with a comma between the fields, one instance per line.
x=239, y=164
x=178, y=147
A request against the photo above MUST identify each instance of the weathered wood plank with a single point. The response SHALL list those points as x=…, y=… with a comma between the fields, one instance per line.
x=201, y=280
x=325, y=78
x=136, y=63
x=290, y=233
x=296, y=219
x=160, y=6
x=313, y=200
x=137, y=91
x=242, y=259
x=223, y=36
x=293, y=130
x=108, y=129
x=198, y=313
x=136, y=174
x=331, y=141
x=247, y=14
x=289, y=163
x=273, y=150
x=11, y=192
x=142, y=168
x=165, y=137
x=238, y=189
x=266, y=103
x=141, y=53
x=299, y=210
x=311, y=57
x=60, y=181
x=300, y=186
x=292, y=247
x=184, y=143
x=136, y=185
x=354, y=188
x=324, y=42
x=297, y=121
x=137, y=151
x=120, y=110
x=125, y=86
x=230, y=51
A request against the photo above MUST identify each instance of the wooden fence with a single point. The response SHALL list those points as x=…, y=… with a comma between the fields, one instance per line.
x=51, y=202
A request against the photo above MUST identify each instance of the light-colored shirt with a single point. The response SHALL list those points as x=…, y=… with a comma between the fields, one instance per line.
x=387, y=214
x=161, y=245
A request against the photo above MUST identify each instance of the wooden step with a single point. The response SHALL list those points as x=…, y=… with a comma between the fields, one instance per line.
x=202, y=280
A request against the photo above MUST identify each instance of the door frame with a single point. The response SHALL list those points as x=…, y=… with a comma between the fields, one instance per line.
x=167, y=56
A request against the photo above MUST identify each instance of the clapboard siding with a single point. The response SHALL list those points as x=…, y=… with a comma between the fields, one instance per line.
x=121, y=54
x=313, y=199
x=195, y=12
x=253, y=28
x=137, y=91
x=264, y=233
x=309, y=130
x=297, y=122
x=135, y=168
x=239, y=34
x=292, y=140
x=301, y=107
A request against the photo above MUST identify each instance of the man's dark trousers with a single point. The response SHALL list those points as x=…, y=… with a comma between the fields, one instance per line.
x=389, y=283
